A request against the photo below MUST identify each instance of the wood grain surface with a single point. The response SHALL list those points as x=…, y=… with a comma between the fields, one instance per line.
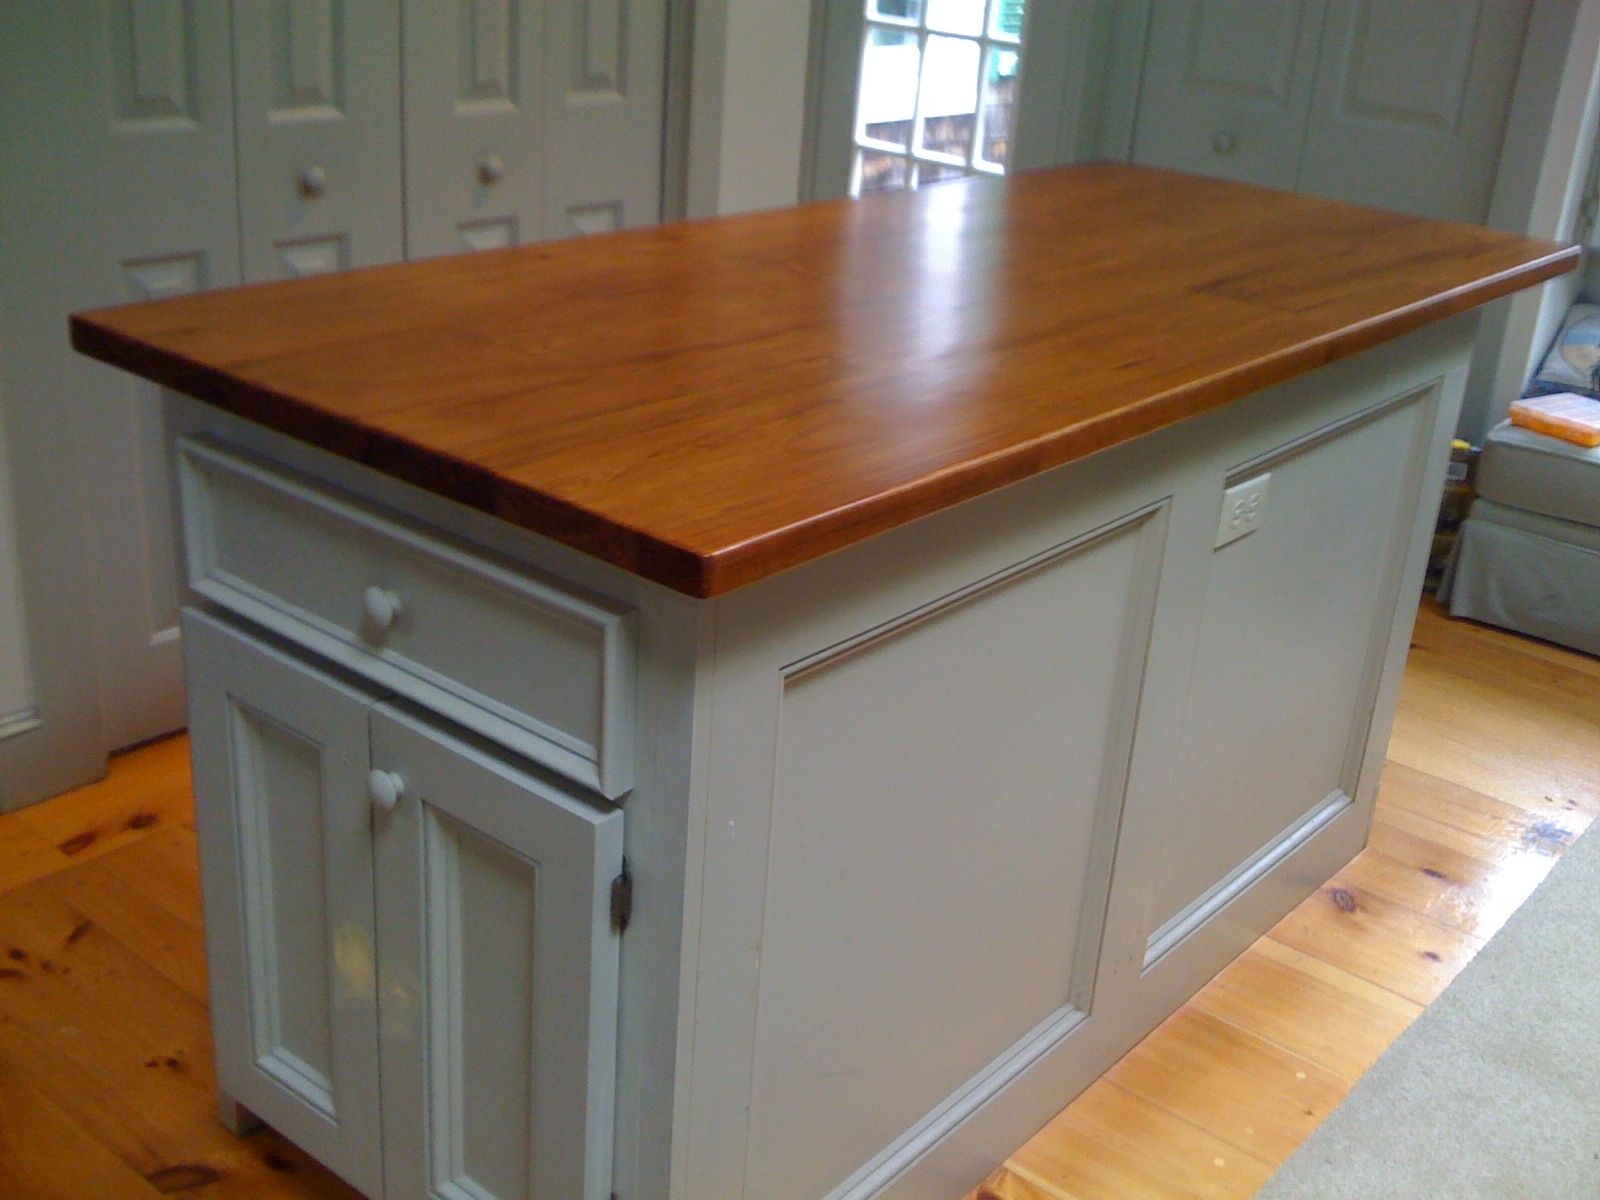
x=706, y=404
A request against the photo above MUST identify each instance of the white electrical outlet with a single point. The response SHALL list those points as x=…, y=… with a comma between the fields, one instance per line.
x=1244, y=508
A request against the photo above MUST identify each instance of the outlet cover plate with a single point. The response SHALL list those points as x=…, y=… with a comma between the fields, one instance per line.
x=1244, y=509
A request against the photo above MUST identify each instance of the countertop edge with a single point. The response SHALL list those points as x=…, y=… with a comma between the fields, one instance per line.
x=706, y=574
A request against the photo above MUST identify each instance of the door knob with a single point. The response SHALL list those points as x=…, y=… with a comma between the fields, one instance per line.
x=385, y=788
x=1224, y=141
x=382, y=606
x=313, y=182
x=491, y=168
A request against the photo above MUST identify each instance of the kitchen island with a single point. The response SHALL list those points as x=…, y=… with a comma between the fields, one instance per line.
x=773, y=707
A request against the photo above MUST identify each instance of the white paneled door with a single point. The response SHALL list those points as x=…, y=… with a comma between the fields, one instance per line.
x=1396, y=103
x=1226, y=87
x=117, y=167
x=155, y=147
x=318, y=86
x=1411, y=101
x=544, y=121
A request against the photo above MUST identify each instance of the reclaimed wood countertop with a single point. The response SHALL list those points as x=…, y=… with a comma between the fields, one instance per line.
x=709, y=403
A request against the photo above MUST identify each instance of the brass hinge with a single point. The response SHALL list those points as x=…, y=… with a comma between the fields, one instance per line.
x=622, y=899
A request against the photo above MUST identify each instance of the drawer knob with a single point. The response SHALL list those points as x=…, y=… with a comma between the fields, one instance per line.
x=382, y=606
x=385, y=788
x=491, y=169
x=313, y=182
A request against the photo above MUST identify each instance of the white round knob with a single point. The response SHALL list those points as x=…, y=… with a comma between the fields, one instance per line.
x=385, y=788
x=313, y=182
x=382, y=606
x=491, y=168
x=1224, y=141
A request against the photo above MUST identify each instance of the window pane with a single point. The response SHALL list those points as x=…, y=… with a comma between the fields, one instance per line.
x=956, y=16
x=895, y=10
x=999, y=106
x=949, y=96
x=879, y=172
x=888, y=85
x=1007, y=19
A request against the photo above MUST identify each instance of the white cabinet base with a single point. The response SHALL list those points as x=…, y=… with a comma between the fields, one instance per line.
x=926, y=833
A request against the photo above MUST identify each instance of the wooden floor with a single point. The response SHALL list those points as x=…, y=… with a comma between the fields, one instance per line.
x=1494, y=769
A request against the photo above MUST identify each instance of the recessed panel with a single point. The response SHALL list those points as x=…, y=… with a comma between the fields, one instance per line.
x=1288, y=648
x=283, y=868
x=479, y=912
x=153, y=61
x=590, y=219
x=896, y=967
x=486, y=58
x=494, y=234
x=1244, y=46
x=1409, y=61
x=307, y=60
x=312, y=256
x=602, y=44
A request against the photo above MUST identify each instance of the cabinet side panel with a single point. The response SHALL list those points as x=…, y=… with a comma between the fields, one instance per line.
x=999, y=719
x=1287, y=656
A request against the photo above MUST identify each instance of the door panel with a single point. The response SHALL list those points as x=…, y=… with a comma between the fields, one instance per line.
x=118, y=158
x=1411, y=102
x=1226, y=87
x=528, y=121
x=474, y=102
x=280, y=764
x=318, y=99
x=498, y=977
x=603, y=96
x=1321, y=571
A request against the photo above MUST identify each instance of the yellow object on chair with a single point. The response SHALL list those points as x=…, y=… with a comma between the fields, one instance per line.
x=1565, y=415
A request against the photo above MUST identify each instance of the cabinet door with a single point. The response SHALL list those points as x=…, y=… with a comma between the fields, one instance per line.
x=497, y=975
x=1226, y=87
x=280, y=776
x=1410, y=103
x=317, y=87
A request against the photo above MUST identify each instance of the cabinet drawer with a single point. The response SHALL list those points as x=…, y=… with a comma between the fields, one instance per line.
x=542, y=668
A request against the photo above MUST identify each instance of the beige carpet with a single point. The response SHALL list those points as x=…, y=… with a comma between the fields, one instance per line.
x=1495, y=1092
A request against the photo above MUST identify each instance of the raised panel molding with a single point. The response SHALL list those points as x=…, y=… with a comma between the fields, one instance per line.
x=308, y=55
x=479, y=910
x=493, y=234
x=167, y=275
x=282, y=865
x=869, y=800
x=1243, y=877
x=1409, y=61
x=1245, y=46
x=313, y=256
x=154, y=63
x=603, y=63
x=589, y=219
x=486, y=56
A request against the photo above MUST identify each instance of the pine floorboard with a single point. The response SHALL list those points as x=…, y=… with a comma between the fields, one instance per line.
x=1493, y=771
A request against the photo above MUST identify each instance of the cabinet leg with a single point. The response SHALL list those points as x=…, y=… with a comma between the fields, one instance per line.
x=235, y=1117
